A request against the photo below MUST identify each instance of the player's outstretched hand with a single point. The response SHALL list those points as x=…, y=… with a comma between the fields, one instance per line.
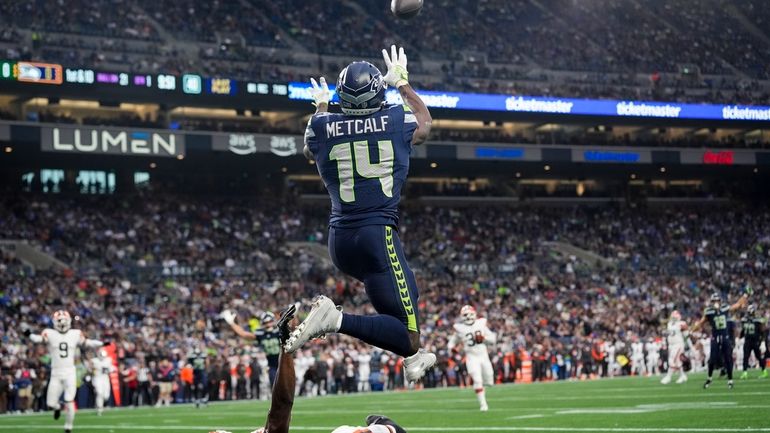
x=748, y=290
x=397, y=75
x=320, y=92
x=286, y=319
x=228, y=316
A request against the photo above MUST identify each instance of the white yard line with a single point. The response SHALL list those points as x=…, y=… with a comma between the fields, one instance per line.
x=199, y=429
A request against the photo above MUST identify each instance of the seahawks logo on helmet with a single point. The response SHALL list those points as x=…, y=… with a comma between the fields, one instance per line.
x=361, y=89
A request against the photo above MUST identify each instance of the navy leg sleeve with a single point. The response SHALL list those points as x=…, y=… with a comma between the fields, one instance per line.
x=373, y=255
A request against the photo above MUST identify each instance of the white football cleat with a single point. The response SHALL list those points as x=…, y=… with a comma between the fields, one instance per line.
x=484, y=408
x=415, y=365
x=666, y=380
x=682, y=379
x=323, y=318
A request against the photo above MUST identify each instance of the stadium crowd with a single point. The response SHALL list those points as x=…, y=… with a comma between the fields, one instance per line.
x=151, y=274
x=650, y=50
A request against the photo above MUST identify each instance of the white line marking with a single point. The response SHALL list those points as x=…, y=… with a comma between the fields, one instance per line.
x=534, y=415
x=416, y=429
x=645, y=408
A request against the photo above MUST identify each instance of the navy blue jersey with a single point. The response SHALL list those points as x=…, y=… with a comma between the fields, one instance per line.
x=364, y=162
x=719, y=321
x=270, y=342
x=198, y=361
x=751, y=328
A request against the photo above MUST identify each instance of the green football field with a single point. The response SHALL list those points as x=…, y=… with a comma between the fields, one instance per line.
x=614, y=405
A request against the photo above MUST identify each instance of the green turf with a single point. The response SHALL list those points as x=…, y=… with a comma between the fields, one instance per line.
x=615, y=405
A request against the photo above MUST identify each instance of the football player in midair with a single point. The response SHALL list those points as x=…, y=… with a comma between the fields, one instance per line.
x=677, y=339
x=717, y=315
x=475, y=336
x=102, y=366
x=362, y=155
x=63, y=342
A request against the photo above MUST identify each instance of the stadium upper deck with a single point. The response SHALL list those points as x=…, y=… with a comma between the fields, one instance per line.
x=647, y=49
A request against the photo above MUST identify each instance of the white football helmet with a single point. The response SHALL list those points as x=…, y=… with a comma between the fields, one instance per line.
x=62, y=321
x=102, y=354
x=675, y=315
x=468, y=313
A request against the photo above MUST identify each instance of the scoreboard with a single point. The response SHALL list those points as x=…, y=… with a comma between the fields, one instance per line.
x=83, y=78
x=31, y=72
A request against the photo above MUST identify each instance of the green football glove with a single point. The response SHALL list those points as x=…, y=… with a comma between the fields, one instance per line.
x=397, y=75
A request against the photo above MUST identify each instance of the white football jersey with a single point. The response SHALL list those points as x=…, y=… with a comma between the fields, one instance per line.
x=363, y=362
x=467, y=334
x=637, y=348
x=674, y=332
x=102, y=367
x=62, y=348
x=653, y=349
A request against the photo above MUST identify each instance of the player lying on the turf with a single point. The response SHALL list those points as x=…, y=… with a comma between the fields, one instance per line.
x=62, y=342
x=362, y=156
x=279, y=416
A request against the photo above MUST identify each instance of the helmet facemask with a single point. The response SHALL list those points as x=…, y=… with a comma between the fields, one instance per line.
x=468, y=314
x=62, y=321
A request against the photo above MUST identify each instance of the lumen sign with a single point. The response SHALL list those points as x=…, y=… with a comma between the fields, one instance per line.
x=112, y=141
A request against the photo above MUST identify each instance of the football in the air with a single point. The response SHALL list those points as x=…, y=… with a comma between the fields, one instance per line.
x=406, y=9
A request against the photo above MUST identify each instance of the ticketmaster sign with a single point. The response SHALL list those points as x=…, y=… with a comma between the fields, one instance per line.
x=111, y=141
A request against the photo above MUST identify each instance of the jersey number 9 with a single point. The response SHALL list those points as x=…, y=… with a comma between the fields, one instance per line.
x=63, y=350
x=345, y=157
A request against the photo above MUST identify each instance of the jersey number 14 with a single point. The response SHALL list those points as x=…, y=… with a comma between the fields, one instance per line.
x=355, y=156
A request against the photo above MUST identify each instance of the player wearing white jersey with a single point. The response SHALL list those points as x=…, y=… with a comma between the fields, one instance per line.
x=475, y=336
x=677, y=339
x=63, y=342
x=364, y=370
x=637, y=357
x=653, y=356
x=101, y=367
